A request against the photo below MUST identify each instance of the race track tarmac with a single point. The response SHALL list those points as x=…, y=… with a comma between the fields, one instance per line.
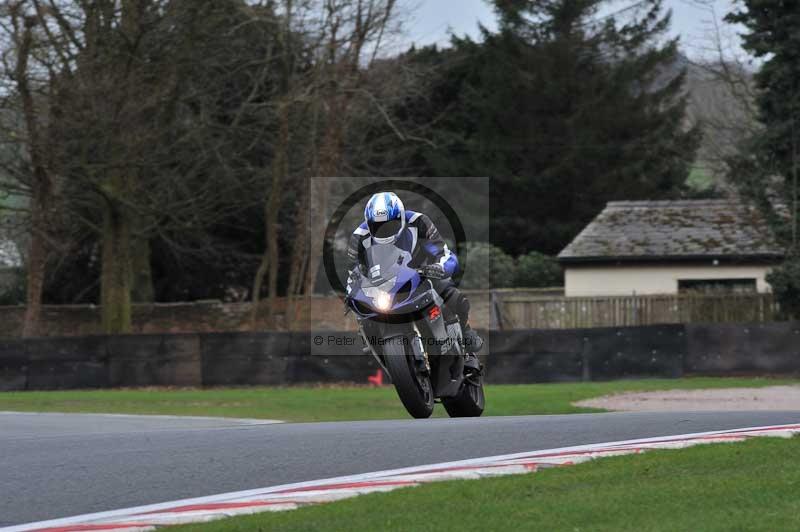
x=58, y=465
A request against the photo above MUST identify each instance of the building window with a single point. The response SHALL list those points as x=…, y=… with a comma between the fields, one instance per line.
x=717, y=286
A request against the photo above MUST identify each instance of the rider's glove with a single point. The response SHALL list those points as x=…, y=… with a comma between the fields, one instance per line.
x=352, y=279
x=434, y=271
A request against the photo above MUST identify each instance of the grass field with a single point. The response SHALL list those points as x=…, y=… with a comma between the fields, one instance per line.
x=338, y=403
x=742, y=486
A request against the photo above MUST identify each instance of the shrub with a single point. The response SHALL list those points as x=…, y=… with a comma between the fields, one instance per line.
x=785, y=282
x=536, y=270
x=487, y=266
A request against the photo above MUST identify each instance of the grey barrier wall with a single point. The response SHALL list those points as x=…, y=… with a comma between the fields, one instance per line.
x=282, y=358
x=226, y=359
x=586, y=354
x=767, y=348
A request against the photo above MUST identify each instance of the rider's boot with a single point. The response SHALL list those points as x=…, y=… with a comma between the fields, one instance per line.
x=472, y=344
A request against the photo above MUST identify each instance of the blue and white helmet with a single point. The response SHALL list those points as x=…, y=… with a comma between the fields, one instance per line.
x=385, y=217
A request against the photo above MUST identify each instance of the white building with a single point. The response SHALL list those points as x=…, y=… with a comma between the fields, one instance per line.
x=671, y=247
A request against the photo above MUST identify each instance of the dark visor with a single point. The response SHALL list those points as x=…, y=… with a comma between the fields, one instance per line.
x=385, y=229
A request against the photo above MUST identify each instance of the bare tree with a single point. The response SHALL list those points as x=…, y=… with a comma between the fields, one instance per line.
x=351, y=35
x=164, y=114
x=343, y=38
x=287, y=96
x=167, y=123
x=25, y=125
x=722, y=94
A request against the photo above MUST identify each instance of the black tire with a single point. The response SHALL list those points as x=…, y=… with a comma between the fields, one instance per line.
x=470, y=400
x=415, y=390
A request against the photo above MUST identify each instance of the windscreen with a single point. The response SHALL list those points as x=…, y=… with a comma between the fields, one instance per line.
x=383, y=261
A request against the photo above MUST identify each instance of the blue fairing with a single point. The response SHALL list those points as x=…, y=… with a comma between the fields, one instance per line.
x=359, y=297
x=404, y=275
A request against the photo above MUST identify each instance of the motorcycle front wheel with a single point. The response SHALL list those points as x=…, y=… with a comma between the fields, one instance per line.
x=414, y=389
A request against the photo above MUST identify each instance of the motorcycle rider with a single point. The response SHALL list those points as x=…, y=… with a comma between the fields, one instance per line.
x=387, y=222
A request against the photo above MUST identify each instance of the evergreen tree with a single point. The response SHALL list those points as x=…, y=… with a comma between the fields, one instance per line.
x=772, y=35
x=564, y=111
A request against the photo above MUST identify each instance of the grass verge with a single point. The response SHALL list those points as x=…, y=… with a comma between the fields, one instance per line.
x=340, y=403
x=741, y=486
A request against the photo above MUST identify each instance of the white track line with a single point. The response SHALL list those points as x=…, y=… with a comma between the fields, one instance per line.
x=233, y=420
x=290, y=496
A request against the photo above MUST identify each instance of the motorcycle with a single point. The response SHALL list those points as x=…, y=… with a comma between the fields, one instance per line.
x=404, y=324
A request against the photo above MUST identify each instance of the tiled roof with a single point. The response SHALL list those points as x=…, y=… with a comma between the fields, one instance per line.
x=673, y=230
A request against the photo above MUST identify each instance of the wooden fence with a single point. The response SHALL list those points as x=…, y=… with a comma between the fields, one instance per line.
x=511, y=308
x=522, y=311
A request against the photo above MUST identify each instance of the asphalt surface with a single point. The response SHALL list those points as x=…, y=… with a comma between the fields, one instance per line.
x=58, y=465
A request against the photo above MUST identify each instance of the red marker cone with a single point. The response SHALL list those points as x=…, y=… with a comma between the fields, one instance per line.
x=377, y=379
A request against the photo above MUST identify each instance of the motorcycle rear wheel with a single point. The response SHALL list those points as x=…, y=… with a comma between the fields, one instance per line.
x=470, y=400
x=415, y=390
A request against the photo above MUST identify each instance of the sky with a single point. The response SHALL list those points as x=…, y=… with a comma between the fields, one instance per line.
x=430, y=21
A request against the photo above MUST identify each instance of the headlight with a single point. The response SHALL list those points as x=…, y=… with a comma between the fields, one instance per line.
x=383, y=301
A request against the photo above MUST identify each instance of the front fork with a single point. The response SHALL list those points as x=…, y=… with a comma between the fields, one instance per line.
x=420, y=353
x=417, y=350
x=371, y=350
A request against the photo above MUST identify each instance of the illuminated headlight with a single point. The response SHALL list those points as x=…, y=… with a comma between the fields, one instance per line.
x=383, y=301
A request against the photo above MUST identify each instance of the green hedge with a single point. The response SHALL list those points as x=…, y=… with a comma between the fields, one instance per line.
x=785, y=282
x=536, y=270
x=487, y=266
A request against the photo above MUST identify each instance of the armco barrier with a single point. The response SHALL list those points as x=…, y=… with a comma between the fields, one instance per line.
x=281, y=358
